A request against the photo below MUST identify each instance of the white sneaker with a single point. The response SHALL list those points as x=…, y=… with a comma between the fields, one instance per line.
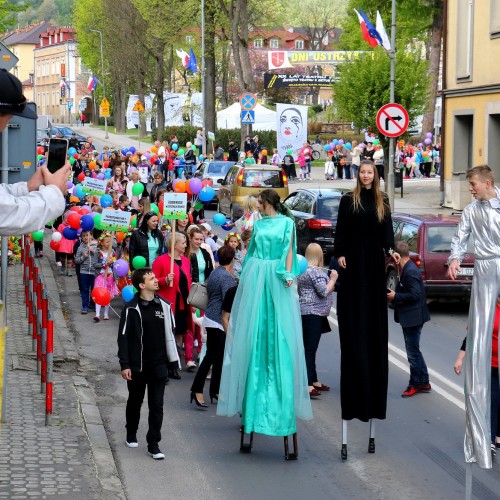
x=156, y=454
x=191, y=365
x=59, y=264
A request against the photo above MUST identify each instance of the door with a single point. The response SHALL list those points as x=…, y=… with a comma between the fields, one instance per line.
x=225, y=191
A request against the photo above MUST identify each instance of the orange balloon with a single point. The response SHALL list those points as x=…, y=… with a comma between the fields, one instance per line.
x=264, y=152
x=135, y=159
x=180, y=187
x=188, y=187
x=119, y=237
x=92, y=165
x=154, y=149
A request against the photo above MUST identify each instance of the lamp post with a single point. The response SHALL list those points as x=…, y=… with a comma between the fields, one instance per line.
x=103, y=80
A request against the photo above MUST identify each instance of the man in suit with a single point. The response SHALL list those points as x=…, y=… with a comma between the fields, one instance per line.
x=410, y=310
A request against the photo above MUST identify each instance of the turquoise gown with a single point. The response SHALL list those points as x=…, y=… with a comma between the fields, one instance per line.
x=264, y=373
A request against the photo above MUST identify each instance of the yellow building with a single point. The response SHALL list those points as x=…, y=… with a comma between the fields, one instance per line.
x=471, y=91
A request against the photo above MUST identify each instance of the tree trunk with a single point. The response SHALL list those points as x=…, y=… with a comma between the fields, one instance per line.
x=435, y=57
x=159, y=84
x=226, y=51
x=210, y=116
x=170, y=66
x=119, y=108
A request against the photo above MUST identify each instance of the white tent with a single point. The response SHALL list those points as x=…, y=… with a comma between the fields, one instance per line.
x=265, y=119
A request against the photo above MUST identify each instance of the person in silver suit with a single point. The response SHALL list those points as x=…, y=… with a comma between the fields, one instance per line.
x=481, y=220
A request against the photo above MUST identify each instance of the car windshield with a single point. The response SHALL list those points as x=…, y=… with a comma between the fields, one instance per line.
x=439, y=239
x=65, y=130
x=262, y=178
x=328, y=208
x=219, y=168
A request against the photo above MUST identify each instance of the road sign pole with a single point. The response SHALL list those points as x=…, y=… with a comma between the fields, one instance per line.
x=390, y=173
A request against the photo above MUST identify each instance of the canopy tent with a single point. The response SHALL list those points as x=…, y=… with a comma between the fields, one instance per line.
x=265, y=119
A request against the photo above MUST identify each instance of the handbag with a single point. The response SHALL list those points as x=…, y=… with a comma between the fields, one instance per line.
x=198, y=296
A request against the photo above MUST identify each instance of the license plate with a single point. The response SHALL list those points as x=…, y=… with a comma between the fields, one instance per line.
x=466, y=271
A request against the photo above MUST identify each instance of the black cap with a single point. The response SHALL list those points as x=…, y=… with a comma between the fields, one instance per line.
x=12, y=100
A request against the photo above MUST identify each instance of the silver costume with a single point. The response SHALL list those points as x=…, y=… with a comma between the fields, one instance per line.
x=481, y=220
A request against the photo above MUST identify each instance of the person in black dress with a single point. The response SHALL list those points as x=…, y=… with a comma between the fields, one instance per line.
x=364, y=237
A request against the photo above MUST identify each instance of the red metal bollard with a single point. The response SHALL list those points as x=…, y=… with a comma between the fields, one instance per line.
x=39, y=290
x=34, y=302
x=45, y=310
x=50, y=363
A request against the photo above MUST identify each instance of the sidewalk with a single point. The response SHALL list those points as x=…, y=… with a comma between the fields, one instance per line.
x=71, y=457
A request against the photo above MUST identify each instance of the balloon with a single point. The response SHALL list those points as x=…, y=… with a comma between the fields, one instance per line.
x=128, y=293
x=133, y=221
x=348, y=146
x=161, y=207
x=70, y=184
x=76, y=156
x=327, y=147
x=139, y=262
x=37, y=235
x=428, y=141
x=201, y=158
x=87, y=222
x=121, y=267
x=40, y=150
x=335, y=142
x=219, y=219
x=195, y=185
x=180, y=187
x=207, y=194
x=289, y=151
x=54, y=245
x=155, y=209
x=79, y=190
x=175, y=146
x=100, y=176
x=42, y=162
x=341, y=141
x=376, y=142
x=264, y=152
x=70, y=233
x=56, y=236
x=153, y=159
x=302, y=261
x=154, y=149
x=132, y=150
x=106, y=200
x=420, y=145
x=92, y=165
x=206, y=182
x=101, y=296
x=97, y=220
x=428, y=135
x=74, y=220
x=81, y=176
x=72, y=151
x=124, y=151
x=119, y=236
x=181, y=152
x=194, y=148
x=137, y=189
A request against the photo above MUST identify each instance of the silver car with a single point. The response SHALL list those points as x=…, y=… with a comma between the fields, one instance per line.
x=213, y=170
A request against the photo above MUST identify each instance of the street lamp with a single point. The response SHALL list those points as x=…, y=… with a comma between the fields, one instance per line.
x=103, y=80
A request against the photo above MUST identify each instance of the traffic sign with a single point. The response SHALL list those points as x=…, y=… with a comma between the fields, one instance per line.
x=248, y=101
x=247, y=117
x=138, y=106
x=104, y=107
x=7, y=59
x=392, y=120
x=70, y=104
x=104, y=102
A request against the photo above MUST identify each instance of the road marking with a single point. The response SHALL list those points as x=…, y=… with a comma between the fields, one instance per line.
x=433, y=373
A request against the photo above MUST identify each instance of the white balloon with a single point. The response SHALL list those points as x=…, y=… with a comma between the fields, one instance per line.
x=56, y=236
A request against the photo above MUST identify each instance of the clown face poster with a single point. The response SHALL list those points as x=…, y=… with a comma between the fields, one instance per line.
x=291, y=127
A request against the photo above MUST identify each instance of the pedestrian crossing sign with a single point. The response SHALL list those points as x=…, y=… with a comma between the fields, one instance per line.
x=138, y=106
x=247, y=117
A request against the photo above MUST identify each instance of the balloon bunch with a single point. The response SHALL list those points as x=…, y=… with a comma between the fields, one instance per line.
x=200, y=191
x=428, y=138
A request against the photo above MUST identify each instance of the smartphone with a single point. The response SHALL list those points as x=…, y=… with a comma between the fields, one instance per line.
x=58, y=152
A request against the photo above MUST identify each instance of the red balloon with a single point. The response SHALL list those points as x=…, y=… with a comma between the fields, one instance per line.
x=74, y=220
x=54, y=245
x=73, y=209
x=81, y=176
x=76, y=156
x=40, y=150
x=82, y=211
x=161, y=207
x=105, y=164
x=153, y=159
x=206, y=182
x=101, y=296
x=122, y=283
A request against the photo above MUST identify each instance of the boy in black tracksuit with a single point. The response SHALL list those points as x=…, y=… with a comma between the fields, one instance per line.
x=146, y=344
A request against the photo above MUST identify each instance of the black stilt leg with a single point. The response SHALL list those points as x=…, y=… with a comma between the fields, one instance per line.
x=371, y=445
x=245, y=447
x=295, y=454
x=343, y=452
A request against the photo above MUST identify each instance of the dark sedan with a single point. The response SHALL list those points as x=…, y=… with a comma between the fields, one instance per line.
x=65, y=133
x=315, y=212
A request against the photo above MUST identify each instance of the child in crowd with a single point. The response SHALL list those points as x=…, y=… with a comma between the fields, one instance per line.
x=86, y=257
x=65, y=249
x=246, y=235
x=124, y=203
x=301, y=160
x=276, y=158
x=234, y=241
x=288, y=165
x=330, y=172
x=105, y=278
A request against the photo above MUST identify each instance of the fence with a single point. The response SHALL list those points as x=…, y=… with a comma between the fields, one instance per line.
x=40, y=322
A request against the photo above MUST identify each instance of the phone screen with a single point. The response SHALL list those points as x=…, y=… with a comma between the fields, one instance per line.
x=58, y=150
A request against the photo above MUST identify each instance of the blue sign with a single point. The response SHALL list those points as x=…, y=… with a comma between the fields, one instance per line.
x=70, y=105
x=248, y=117
x=248, y=101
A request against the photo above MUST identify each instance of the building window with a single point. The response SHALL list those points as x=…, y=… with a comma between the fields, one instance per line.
x=274, y=43
x=493, y=157
x=189, y=39
x=494, y=19
x=465, y=38
x=463, y=128
x=258, y=43
x=315, y=44
x=299, y=44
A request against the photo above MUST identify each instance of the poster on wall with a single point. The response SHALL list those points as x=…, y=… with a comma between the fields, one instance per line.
x=291, y=127
x=174, y=104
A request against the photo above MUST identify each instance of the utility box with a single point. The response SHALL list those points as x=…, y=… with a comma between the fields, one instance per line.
x=22, y=147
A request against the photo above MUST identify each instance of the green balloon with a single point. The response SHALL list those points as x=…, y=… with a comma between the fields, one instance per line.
x=155, y=209
x=39, y=157
x=137, y=189
x=181, y=152
x=289, y=151
x=376, y=142
x=97, y=221
x=194, y=148
x=37, y=235
x=133, y=222
x=139, y=262
x=72, y=160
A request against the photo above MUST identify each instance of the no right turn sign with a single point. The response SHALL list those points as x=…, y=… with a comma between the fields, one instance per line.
x=392, y=120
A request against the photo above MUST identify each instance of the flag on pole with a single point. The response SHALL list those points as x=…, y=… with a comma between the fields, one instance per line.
x=383, y=34
x=192, y=65
x=65, y=84
x=184, y=57
x=92, y=83
x=370, y=34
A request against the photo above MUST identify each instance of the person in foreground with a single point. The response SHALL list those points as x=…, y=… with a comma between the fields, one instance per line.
x=264, y=374
x=481, y=220
x=27, y=206
x=410, y=310
x=146, y=345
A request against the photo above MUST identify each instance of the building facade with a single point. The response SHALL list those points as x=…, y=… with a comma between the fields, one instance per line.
x=471, y=91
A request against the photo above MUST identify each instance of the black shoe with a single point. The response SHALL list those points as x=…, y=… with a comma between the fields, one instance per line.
x=198, y=403
x=174, y=373
x=131, y=441
x=155, y=452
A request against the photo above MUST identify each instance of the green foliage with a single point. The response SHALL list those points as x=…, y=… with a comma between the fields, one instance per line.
x=8, y=14
x=363, y=86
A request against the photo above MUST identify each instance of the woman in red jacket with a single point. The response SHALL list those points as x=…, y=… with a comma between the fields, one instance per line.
x=177, y=294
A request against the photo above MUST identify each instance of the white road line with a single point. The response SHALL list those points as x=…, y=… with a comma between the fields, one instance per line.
x=459, y=402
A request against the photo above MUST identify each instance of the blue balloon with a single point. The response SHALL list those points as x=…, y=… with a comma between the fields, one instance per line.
x=335, y=142
x=70, y=234
x=79, y=191
x=201, y=158
x=128, y=293
x=302, y=261
x=71, y=151
x=348, y=145
x=107, y=175
x=42, y=162
x=327, y=147
x=207, y=194
x=106, y=201
x=87, y=222
x=132, y=149
x=175, y=146
x=219, y=219
x=100, y=157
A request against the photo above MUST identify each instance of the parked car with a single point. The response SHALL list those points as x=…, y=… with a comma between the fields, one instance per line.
x=241, y=181
x=42, y=137
x=214, y=171
x=315, y=212
x=429, y=238
x=66, y=134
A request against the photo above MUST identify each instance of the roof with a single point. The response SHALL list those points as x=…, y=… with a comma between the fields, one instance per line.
x=29, y=35
x=280, y=34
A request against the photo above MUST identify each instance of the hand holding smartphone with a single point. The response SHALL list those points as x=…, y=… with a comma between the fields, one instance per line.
x=58, y=152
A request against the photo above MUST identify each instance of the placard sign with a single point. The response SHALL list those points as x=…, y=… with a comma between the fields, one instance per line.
x=94, y=186
x=175, y=206
x=115, y=220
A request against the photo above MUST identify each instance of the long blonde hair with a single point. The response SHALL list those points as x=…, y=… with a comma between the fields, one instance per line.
x=314, y=255
x=380, y=203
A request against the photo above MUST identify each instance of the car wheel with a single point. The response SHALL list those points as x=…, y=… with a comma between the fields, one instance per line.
x=392, y=279
x=316, y=155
